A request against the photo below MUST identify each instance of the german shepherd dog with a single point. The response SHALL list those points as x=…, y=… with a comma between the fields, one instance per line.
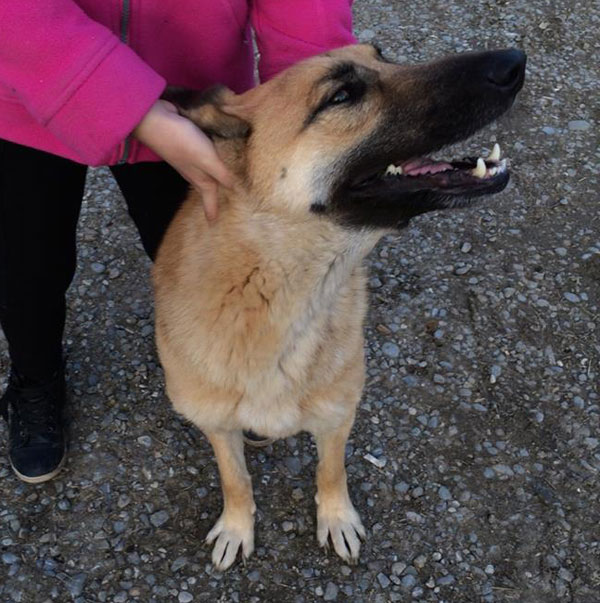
x=259, y=316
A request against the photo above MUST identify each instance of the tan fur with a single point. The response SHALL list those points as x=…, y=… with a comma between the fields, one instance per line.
x=260, y=315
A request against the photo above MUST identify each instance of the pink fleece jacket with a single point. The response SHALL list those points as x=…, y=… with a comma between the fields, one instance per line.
x=76, y=76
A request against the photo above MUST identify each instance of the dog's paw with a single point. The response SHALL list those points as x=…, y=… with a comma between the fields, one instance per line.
x=229, y=533
x=343, y=525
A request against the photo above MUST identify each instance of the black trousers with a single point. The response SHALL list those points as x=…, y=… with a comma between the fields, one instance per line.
x=40, y=200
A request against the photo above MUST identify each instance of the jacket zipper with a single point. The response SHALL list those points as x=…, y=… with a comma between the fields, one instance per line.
x=125, y=17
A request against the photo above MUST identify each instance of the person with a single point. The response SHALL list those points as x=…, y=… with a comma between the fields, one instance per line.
x=80, y=85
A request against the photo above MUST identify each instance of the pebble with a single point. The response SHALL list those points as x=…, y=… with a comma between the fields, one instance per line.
x=383, y=580
x=565, y=574
x=409, y=581
x=185, y=597
x=76, y=584
x=159, y=518
x=331, y=592
x=398, y=567
x=579, y=124
x=444, y=493
x=178, y=564
x=97, y=267
x=391, y=350
x=572, y=297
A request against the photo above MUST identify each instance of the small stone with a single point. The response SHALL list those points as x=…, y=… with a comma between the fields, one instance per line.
x=76, y=584
x=579, y=124
x=466, y=247
x=383, y=580
x=366, y=34
x=398, y=568
x=147, y=330
x=489, y=569
x=331, y=592
x=254, y=576
x=287, y=526
x=444, y=493
x=460, y=270
x=9, y=558
x=293, y=464
x=420, y=561
x=414, y=517
x=565, y=574
x=145, y=441
x=572, y=297
x=123, y=501
x=178, y=563
x=97, y=267
x=391, y=350
x=159, y=518
x=185, y=597
x=503, y=470
x=409, y=581
x=446, y=580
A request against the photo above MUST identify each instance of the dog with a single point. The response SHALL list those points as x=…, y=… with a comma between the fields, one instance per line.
x=259, y=316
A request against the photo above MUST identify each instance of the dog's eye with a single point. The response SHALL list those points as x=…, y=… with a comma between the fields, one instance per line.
x=341, y=96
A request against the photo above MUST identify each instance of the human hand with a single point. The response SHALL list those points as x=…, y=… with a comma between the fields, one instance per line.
x=185, y=147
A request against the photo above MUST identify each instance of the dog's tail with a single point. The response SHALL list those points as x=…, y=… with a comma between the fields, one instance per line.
x=256, y=441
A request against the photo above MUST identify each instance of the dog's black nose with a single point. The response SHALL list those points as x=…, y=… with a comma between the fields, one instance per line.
x=506, y=69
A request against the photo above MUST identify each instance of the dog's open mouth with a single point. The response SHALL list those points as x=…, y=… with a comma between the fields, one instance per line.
x=470, y=176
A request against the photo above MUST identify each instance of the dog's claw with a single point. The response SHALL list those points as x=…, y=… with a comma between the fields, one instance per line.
x=228, y=535
x=345, y=530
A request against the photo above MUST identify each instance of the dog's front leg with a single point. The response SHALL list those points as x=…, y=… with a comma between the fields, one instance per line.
x=235, y=526
x=336, y=516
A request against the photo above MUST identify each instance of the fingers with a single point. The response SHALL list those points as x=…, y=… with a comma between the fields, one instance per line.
x=210, y=200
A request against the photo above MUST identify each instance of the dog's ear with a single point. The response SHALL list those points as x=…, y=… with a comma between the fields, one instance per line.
x=212, y=110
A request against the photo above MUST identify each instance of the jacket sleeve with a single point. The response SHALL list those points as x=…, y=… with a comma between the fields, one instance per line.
x=73, y=75
x=289, y=31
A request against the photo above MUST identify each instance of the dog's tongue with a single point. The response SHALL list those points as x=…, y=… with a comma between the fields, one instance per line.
x=423, y=165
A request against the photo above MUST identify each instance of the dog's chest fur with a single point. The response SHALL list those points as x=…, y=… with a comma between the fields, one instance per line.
x=265, y=331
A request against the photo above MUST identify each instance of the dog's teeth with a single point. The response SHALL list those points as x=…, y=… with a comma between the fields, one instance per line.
x=495, y=154
x=493, y=171
x=503, y=165
x=399, y=170
x=480, y=170
x=394, y=170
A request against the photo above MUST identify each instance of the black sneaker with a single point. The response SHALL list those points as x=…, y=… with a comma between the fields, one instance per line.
x=36, y=434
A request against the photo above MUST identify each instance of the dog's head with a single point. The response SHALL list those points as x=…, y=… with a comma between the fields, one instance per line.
x=345, y=135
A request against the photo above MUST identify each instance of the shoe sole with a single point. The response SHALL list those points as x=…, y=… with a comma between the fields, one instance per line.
x=38, y=479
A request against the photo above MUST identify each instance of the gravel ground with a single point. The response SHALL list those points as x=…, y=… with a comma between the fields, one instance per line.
x=475, y=458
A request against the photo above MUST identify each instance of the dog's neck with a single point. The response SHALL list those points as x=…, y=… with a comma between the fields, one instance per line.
x=309, y=260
